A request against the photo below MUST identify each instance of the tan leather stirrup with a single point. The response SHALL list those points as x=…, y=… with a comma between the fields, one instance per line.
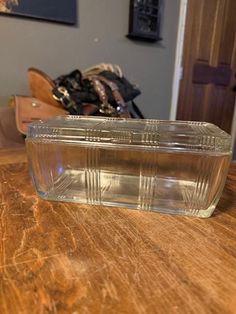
x=28, y=109
x=41, y=86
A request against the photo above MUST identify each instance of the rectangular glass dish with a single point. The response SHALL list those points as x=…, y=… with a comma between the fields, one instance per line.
x=166, y=166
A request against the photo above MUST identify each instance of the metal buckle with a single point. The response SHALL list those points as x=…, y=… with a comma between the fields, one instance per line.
x=64, y=93
x=106, y=108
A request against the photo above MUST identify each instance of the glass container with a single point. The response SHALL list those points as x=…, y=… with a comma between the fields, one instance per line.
x=165, y=166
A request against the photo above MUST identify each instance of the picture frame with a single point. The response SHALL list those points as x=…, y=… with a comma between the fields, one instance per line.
x=145, y=20
x=58, y=11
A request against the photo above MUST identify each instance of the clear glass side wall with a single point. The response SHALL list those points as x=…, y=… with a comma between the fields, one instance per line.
x=160, y=180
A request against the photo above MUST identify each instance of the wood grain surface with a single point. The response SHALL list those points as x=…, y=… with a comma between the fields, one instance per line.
x=68, y=258
x=12, y=155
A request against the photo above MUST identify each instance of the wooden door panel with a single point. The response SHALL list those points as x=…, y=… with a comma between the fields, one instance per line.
x=216, y=105
x=207, y=30
x=196, y=106
x=209, y=63
x=227, y=45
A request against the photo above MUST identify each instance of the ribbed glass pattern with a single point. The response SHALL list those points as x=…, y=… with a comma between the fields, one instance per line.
x=149, y=165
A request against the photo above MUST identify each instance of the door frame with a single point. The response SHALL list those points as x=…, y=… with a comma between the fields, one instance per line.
x=178, y=69
x=233, y=133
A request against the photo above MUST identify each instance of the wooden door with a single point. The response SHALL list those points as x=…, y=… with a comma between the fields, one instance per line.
x=209, y=63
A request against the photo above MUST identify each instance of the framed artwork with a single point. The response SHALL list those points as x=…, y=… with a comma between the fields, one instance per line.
x=145, y=20
x=60, y=11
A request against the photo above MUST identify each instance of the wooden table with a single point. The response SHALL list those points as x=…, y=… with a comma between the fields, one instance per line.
x=68, y=258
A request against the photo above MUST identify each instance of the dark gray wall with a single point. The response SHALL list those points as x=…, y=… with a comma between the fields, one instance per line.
x=100, y=37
